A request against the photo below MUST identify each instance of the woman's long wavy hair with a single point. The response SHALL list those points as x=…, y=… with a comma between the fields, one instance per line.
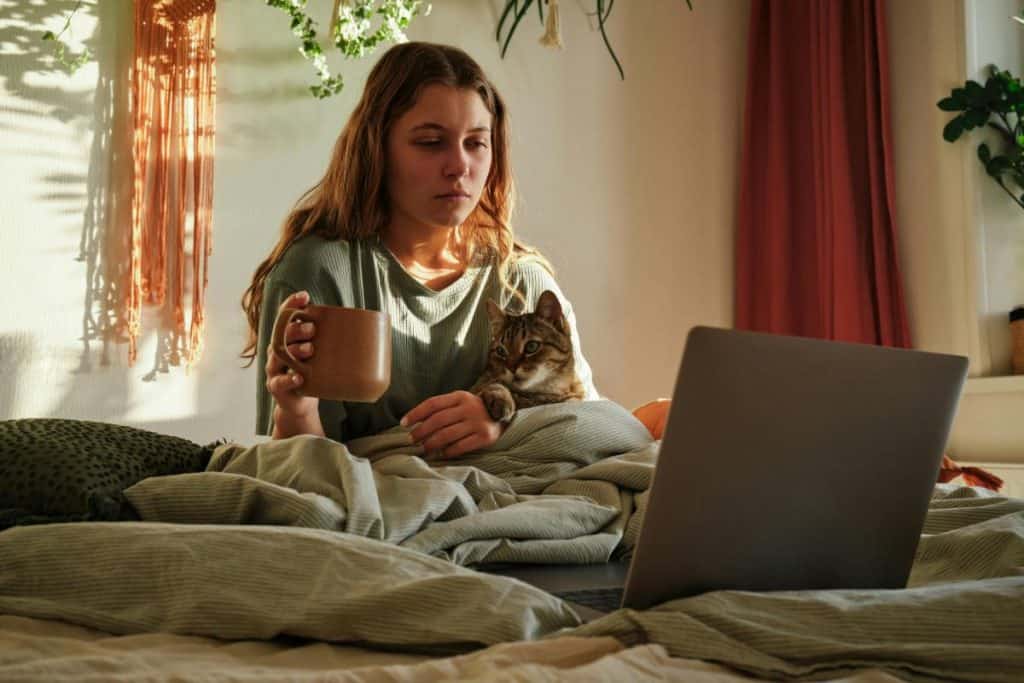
x=351, y=202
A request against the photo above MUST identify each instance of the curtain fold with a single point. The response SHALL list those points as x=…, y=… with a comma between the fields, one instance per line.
x=816, y=248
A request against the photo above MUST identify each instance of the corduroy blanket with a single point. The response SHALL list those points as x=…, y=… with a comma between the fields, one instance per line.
x=560, y=486
x=566, y=484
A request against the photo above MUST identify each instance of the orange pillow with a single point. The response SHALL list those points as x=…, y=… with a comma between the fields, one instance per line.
x=973, y=476
x=653, y=415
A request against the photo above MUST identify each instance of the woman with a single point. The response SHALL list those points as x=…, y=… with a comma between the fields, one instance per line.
x=411, y=218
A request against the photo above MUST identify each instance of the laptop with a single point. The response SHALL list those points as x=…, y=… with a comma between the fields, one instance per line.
x=787, y=463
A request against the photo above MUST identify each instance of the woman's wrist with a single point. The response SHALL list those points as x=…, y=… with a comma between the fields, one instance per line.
x=288, y=424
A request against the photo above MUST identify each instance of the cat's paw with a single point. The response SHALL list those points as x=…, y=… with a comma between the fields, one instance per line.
x=499, y=402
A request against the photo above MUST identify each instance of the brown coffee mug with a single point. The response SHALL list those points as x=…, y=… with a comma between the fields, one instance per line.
x=352, y=358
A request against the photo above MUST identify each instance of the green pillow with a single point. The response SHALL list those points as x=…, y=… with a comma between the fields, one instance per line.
x=54, y=470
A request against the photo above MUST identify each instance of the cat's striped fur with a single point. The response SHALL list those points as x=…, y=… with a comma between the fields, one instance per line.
x=530, y=361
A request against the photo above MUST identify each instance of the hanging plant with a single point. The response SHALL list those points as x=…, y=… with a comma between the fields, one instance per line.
x=351, y=32
x=516, y=10
x=69, y=61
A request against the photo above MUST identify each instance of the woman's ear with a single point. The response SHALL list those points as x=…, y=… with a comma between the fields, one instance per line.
x=549, y=308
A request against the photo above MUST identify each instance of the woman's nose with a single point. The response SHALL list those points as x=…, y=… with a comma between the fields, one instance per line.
x=457, y=166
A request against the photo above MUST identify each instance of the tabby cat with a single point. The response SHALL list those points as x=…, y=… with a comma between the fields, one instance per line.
x=530, y=361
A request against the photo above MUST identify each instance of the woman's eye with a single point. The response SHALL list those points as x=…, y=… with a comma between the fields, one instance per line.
x=427, y=142
x=532, y=347
x=478, y=144
x=502, y=353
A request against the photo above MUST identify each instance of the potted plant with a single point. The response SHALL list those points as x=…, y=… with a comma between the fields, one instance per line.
x=997, y=104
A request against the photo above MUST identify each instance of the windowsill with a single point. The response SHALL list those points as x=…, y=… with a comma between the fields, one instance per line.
x=995, y=385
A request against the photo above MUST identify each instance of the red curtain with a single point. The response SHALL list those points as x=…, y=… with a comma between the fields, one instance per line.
x=816, y=237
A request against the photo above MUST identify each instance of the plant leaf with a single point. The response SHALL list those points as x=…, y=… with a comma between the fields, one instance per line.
x=949, y=104
x=953, y=130
x=975, y=118
x=996, y=166
x=975, y=94
x=984, y=154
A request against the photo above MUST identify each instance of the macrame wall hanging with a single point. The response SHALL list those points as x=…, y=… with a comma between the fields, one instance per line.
x=173, y=110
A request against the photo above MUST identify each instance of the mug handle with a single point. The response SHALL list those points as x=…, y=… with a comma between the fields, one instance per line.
x=284, y=318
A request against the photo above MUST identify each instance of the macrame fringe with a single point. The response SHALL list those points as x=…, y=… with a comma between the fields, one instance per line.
x=174, y=112
x=552, y=29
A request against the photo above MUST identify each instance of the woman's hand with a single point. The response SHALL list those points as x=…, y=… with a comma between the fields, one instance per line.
x=295, y=413
x=453, y=424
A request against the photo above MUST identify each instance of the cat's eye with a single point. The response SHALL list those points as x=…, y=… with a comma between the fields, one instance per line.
x=532, y=347
x=501, y=352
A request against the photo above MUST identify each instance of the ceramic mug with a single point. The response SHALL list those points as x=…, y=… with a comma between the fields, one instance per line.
x=352, y=358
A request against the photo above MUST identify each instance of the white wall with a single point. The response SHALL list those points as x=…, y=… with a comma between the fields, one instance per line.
x=992, y=38
x=961, y=239
x=628, y=187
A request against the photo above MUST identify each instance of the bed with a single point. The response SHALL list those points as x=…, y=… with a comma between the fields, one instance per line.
x=303, y=559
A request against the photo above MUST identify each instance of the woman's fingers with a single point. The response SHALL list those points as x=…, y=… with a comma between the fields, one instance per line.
x=453, y=424
x=299, y=331
x=468, y=444
x=447, y=436
x=296, y=300
x=424, y=410
x=435, y=423
x=301, y=351
x=284, y=384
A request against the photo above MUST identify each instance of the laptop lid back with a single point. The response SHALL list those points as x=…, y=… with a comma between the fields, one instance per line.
x=791, y=463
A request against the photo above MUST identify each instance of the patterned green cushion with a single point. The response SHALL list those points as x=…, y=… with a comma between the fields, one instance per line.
x=54, y=470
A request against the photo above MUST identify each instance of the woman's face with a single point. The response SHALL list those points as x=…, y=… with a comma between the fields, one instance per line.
x=439, y=156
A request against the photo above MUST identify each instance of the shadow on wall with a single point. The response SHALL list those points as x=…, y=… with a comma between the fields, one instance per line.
x=104, y=244
x=15, y=354
x=102, y=196
x=34, y=56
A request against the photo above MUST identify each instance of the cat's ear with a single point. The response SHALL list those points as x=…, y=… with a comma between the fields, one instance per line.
x=496, y=315
x=549, y=308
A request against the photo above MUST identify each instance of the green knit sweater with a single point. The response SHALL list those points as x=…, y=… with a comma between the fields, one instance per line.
x=439, y=338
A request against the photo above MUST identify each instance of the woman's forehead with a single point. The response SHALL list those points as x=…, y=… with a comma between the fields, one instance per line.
x=446, y=109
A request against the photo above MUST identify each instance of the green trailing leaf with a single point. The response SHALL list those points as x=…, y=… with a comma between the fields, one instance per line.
x=514, y=11
x=354, y=34
x=61, y=54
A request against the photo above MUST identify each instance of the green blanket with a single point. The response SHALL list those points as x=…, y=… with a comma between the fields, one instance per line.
x=961, y=618
x=564, y=484
x=560, y=486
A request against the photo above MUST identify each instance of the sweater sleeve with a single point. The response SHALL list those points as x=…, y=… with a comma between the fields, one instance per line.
x=533, y=280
